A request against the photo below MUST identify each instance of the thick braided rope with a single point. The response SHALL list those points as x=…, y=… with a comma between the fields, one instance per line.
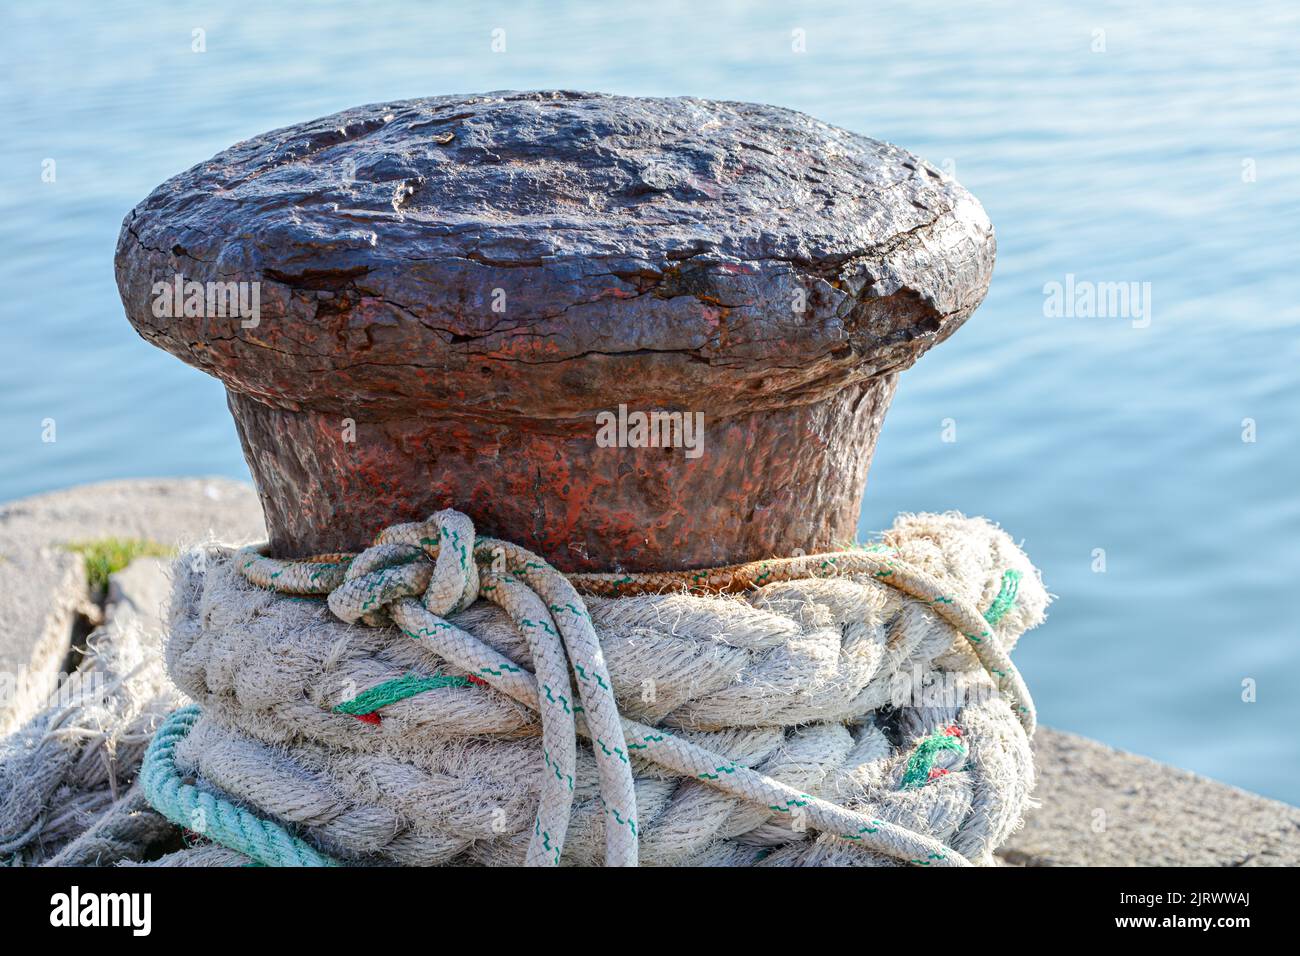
x=396, y=569
x=322, y=575
x=880, y=564
x=215, y=817
x=256, y=653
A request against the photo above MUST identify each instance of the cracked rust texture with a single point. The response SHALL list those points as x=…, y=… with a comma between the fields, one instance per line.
x=644, y=251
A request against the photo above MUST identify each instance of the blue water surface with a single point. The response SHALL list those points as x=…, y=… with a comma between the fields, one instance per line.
x=1114, y=142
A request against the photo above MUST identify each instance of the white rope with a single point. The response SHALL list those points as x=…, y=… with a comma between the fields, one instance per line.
x=741, y=729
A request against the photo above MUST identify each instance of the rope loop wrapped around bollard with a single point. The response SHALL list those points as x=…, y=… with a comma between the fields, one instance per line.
x=771, y=730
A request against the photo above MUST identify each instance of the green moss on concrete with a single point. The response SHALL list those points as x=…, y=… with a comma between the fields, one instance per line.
x=104, y=556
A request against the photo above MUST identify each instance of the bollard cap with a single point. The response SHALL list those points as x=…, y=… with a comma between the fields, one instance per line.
x=541, y=255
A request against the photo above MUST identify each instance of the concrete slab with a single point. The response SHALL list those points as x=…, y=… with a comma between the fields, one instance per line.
x=43, y=592
x=43, y=587
x=1105, y=807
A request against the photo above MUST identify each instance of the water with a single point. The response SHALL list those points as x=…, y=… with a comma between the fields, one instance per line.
x=1075, y=434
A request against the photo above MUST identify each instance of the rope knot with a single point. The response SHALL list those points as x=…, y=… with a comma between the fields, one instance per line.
x=432, y=560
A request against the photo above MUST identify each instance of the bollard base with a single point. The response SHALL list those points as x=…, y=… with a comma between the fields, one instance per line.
x=760, y=485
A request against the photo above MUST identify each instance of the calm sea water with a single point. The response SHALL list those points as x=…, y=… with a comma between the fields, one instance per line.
x=1170, y=157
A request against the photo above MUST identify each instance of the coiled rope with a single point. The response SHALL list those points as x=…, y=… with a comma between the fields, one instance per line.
x=417, y=575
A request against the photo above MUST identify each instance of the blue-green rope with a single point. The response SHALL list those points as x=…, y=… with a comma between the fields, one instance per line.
x=231, y=826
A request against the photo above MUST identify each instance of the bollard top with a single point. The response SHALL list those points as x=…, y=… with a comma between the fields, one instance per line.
x=543, y=255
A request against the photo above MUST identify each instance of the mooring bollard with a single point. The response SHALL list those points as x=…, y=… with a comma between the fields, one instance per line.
x=479, y=302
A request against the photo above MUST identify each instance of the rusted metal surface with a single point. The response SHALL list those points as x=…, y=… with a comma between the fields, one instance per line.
x=453, y=289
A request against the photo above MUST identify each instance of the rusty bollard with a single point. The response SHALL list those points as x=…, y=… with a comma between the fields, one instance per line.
x=480, y=302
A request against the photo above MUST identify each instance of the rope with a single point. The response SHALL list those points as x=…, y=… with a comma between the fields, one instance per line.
x=65, y=773
x=329, y=574
x=215, y=817
x=416, y=575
